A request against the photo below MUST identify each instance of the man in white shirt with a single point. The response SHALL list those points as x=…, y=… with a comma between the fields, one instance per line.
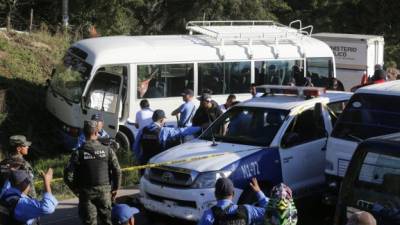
x=143, y=117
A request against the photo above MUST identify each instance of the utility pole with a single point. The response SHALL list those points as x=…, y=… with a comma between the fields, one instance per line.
x=65, y=16
x=31, y=21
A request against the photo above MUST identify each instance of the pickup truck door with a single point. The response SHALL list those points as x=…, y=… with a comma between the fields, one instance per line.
x=302, y=151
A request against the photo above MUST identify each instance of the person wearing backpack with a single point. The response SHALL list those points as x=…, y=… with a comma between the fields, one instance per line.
x=15, y=160
x=227, y=213
x=17, y=208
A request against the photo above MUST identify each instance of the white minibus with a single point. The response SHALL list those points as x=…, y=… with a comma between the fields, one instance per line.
x=111, y=75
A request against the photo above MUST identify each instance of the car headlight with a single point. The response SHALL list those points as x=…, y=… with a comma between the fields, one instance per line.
x=208, y=179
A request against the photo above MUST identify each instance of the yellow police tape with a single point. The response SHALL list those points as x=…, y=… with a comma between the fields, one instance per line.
x=184, y=160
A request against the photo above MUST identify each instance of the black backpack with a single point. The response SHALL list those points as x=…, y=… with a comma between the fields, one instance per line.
x=7, y=207
x=222, y=217
x=5, y=169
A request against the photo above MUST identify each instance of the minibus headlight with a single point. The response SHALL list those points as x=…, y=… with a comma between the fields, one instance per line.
x=208, y=179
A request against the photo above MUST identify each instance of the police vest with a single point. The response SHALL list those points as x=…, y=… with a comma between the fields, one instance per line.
x=150, y=142
x=222, y=217
x=93, y=167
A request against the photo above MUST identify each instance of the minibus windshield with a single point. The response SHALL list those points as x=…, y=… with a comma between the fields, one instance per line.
x=246, y=125
x=368, y=115
x=70, y=77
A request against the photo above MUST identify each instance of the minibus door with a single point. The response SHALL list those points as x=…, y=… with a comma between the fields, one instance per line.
x=104, y=97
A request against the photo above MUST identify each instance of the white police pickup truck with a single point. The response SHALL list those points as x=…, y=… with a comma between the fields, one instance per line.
x=279, y=137
x=372, y=111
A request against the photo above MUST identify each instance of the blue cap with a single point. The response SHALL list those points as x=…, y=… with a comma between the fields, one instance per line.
x=158, y=114
x=224, y=187
x=121, y=213
x=19, y=177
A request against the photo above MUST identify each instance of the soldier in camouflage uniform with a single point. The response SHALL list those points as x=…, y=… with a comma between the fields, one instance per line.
x=89, y=173
x=15, y=160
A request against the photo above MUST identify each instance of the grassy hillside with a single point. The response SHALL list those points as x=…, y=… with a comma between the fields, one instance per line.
x=26, y=62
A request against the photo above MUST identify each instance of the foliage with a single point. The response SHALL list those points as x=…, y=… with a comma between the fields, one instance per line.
x=26, y=62
x=133, y=17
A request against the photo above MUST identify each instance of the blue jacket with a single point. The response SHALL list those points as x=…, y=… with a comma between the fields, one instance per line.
x=166, y=133
x=254, y=214
x=29, y=209
x=82, y=138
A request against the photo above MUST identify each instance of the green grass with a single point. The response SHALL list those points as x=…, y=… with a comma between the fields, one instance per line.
x=58, y=163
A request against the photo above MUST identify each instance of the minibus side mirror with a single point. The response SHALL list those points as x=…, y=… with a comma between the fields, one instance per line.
x=83, y=104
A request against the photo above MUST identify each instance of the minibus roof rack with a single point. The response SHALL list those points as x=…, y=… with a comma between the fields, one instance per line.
x=249, y=31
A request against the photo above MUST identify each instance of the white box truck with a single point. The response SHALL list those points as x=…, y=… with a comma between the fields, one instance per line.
x=355, y=54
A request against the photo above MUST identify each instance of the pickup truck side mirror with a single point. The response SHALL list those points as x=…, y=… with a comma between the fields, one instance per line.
x=318, y=116
x=290, y=139
x=317, y=111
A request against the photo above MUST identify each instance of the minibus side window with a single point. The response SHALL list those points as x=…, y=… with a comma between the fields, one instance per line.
x=279, y=72
x=164, y=80
x=224, y=78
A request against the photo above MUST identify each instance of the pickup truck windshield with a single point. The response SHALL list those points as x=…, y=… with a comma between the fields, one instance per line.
x=70, y=77
x=368, y=115
x=246, y=125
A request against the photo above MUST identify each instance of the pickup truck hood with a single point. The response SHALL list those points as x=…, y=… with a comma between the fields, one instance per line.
x=199, y=148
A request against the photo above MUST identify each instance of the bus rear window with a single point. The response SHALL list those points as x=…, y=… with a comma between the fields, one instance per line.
x=368, y=115
x=320, y=70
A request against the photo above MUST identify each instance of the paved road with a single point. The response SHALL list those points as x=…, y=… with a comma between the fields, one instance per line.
x=67, y=212
x=311, y=212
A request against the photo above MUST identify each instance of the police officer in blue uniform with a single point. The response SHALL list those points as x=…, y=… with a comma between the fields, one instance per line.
x=156, y=137
x=102, y=134
x=24, y=210
x=225, y=212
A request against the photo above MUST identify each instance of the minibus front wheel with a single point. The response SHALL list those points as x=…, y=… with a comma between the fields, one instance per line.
x=123, y=141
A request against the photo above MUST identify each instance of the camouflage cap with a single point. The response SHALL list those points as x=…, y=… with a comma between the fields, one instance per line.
x=17, y=140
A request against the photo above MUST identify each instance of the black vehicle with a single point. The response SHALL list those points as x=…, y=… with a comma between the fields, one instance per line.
x=372, y=181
